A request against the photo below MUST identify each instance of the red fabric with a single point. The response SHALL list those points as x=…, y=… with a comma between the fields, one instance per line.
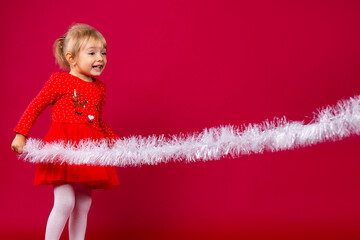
x=76, y=115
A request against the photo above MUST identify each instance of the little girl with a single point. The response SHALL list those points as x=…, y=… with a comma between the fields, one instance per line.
x=78, y=98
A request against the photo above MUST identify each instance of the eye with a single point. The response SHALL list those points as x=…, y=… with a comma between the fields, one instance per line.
x=103, y=53
x=91, y=53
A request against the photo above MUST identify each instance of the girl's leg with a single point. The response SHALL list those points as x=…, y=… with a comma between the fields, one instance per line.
x=64, y=201
x=78, y=217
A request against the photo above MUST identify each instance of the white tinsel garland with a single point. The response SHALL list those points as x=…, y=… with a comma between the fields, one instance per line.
x=331, y=123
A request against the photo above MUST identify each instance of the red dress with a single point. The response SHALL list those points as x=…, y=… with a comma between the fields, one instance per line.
x=76, y=115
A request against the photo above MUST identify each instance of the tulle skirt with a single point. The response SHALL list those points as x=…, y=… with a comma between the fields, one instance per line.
x=92, y=176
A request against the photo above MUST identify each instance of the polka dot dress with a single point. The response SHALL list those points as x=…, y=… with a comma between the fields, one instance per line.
x=77, y=108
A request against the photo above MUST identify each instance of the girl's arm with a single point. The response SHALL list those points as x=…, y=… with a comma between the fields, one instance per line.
x=109, y=133
x=48, y=95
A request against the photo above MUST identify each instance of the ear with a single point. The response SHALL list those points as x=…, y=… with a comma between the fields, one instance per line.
x=70, y=58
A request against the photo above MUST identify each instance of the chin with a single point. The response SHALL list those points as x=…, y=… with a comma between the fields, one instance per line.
x=95, y=74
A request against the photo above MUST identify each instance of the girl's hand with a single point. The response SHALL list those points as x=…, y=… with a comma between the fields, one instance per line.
x=18, y=143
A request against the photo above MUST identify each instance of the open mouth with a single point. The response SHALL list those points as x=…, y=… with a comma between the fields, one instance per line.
x=98, y=67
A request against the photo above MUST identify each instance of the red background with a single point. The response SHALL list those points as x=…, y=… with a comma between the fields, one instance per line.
x=181, y=66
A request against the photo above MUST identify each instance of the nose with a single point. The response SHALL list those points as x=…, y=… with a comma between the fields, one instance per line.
x=99, y=57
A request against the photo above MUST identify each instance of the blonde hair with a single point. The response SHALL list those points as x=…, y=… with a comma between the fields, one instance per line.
x=72, y=41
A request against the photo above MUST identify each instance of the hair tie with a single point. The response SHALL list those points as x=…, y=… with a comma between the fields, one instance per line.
x=61, y=41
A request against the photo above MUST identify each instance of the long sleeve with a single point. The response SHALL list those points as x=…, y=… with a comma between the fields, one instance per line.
x=109, y=133
x=48, y=95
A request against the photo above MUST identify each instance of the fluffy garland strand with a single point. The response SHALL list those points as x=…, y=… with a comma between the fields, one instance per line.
x=329, y=124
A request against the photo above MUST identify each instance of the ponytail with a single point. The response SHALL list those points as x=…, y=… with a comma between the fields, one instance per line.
x=60, y=53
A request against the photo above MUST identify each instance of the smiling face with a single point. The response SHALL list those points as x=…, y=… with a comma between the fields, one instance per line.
x=89, y=62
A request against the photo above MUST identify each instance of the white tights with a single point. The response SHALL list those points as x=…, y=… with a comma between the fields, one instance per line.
x=70, y=200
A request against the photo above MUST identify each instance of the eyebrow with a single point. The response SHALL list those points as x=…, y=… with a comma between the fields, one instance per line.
x=89, y=48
